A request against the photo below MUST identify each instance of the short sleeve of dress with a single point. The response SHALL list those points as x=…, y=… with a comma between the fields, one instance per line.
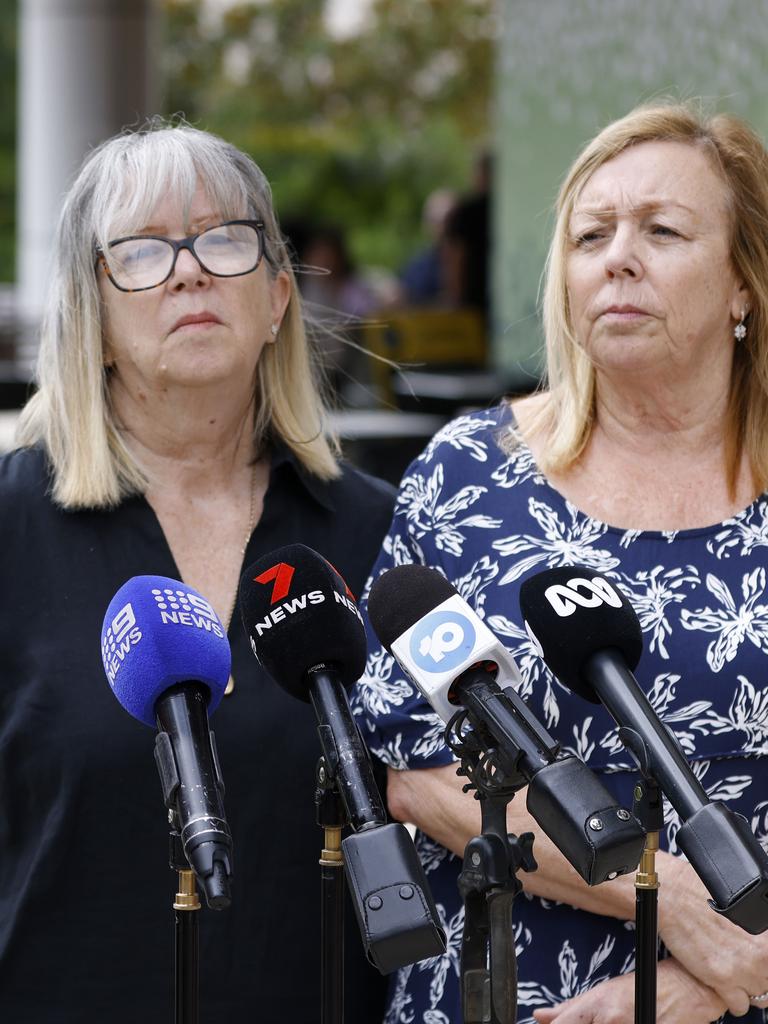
x=398, y=724
x=437, y=522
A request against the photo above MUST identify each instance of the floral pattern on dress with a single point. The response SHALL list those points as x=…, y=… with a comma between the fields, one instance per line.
x=733, y=623
x=488, y=520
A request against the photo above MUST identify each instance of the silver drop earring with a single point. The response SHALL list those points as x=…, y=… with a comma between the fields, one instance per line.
x=740, y=330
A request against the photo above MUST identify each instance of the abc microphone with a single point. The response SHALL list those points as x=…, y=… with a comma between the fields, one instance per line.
x=167, y=659
x=456, y=661
x=307, y=633
x=591, y=639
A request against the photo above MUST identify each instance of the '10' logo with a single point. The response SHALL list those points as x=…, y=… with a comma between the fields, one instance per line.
x=441, y=641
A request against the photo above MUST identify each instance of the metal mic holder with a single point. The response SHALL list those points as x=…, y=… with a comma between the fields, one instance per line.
x=648, y=808
x=488, y=882
x=394, y=908
x=186, y=944
x=331, y=817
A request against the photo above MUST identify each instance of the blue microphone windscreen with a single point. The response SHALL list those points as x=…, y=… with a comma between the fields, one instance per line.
x=158, y=632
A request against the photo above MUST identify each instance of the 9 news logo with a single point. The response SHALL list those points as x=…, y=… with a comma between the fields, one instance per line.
x=119, y=637
x=442, y=641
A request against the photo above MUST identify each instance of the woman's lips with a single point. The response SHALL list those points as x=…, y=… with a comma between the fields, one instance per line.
x=195, y=321
x=625, y=313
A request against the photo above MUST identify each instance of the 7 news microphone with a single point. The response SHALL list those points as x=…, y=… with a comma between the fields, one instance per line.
x=456, y=661
x=591, y=639
x=167, y=659
x=307, y=633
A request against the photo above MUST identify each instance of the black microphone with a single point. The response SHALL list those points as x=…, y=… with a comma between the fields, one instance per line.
x=456, y=661
x=167, y=659
x=591, y=639
x=307, y=633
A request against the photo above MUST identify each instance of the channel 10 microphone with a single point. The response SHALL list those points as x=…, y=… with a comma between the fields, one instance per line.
x=167, y=659
x=590, y=637
x=307, y=633
x=457, y=662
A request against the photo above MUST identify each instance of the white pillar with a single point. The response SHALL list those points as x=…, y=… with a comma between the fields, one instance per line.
x=86, y=70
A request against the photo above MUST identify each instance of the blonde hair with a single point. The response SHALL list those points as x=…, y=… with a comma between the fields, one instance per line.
x=114, y=194
x=739, y=157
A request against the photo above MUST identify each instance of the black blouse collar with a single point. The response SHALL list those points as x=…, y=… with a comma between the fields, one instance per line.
x=320, y=490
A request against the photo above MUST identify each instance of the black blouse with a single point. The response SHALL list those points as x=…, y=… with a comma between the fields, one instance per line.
x=86, y=925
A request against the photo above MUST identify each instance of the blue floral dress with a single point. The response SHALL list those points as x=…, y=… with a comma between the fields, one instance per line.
x=488, y=521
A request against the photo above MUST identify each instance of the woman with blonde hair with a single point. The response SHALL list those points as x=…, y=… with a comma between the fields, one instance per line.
x=178, y=430
x=646, y=458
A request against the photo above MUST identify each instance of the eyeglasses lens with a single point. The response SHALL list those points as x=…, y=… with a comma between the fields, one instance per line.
x=140, y=262
x=224, y=251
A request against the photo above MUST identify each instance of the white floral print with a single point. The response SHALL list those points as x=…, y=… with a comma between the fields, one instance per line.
x=488, y=521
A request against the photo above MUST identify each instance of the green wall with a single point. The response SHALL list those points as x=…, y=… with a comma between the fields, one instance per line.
x=565, y=69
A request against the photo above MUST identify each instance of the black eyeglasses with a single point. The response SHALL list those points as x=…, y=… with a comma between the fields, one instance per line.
x=139, y=262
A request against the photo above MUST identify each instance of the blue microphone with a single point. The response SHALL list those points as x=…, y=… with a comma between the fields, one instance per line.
x=167, y=659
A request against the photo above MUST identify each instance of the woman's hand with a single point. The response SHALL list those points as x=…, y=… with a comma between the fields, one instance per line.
x=680, y=999
x=720, y=954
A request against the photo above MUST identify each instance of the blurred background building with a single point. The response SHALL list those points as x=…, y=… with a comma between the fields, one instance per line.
x=414, y=150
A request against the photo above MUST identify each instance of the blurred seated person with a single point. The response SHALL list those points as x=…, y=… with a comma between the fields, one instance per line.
x=422, y=281
x=337, y=298
x=329, y=277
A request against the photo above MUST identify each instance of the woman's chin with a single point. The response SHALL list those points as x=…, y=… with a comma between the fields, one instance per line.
x=628, y=356
x=203, y=370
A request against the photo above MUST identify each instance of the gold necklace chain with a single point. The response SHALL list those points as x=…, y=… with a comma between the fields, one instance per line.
x=251, y=523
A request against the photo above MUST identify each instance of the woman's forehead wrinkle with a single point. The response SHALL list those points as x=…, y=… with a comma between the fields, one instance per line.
x=195, y=213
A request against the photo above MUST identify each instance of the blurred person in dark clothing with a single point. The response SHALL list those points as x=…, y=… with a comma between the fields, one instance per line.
x=467, y=242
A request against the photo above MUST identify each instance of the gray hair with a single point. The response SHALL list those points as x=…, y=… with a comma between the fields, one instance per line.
x=115, y=193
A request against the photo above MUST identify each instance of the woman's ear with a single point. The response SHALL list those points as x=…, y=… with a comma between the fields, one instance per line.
x=741, y=302
x=280, y=294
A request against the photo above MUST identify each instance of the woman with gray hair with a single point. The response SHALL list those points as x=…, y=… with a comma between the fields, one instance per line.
x=646, y=458
x=177, y=429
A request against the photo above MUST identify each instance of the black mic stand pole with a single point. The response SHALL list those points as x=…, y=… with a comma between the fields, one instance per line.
x=186, y=946
x=488, y=882
x=331, y=817
x=649, y=810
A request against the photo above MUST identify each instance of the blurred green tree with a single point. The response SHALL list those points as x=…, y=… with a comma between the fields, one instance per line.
x=354, y=128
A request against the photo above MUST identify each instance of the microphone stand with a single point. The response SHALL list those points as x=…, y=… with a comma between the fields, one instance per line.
x=649, y=810
x=186, y=941
x=331, y=817
x=488, y=881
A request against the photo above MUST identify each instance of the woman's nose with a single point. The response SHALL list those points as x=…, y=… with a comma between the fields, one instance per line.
x=622, y=255
x=188, y=271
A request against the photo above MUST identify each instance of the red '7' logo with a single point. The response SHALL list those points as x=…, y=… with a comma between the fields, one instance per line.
x=282, y=574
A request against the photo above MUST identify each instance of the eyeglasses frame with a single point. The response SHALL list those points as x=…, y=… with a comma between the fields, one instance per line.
x=177, y=244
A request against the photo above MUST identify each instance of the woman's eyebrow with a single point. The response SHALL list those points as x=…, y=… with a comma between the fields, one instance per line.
x=647, y=206
x=198, y=224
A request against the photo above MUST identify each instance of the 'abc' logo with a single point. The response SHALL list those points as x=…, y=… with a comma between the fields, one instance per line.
x=441, y=641
x=582, y=593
